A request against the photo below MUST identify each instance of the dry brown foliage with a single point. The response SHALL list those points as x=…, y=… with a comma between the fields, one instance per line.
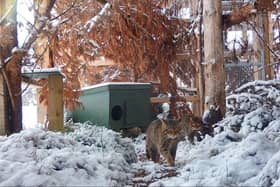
x=140, y=36
x=238, y=15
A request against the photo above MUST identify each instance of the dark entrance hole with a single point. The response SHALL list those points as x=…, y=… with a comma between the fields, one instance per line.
x=116, y=112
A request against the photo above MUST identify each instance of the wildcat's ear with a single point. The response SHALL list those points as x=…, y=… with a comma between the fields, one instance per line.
x=163, y=122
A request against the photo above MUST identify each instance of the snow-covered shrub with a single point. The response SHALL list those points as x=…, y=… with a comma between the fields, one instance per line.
x=252, y=107
x=235, y=163
x=35, y=157
x=104, y=140
x=252, y=95
x=272, y=132
x=253, y=121
x=230, y=122
x=269, y=175
x=245, y=148
x=256, y=120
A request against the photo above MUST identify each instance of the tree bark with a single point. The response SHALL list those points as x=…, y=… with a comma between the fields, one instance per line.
x=214, y=55
x=11, y=61
x=11, y=68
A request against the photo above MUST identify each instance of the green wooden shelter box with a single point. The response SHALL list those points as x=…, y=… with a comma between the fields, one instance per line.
x=116, y=105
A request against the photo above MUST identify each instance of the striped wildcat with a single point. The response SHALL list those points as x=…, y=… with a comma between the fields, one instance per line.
x=163, y=136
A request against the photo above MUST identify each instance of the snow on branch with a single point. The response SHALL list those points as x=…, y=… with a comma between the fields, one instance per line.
x=5, y=16
x=42, y=21
x=93, y=21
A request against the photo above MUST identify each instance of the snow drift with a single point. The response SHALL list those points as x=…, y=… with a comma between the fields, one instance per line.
x=89, y=156
x=245, y=151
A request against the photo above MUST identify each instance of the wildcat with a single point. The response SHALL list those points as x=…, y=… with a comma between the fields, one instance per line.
x=163, y=136
x=191, y=127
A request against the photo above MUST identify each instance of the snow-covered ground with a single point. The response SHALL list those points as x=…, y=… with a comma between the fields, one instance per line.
x=245, y=151
x=89, y=156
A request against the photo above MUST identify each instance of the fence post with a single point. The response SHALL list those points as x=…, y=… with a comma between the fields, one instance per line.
x=55, y=102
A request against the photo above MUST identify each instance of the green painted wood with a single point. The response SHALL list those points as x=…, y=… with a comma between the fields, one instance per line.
x=95, y=109
x=116, y=105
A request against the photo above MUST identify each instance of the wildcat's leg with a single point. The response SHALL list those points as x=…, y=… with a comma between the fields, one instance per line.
x=154, y=154
x=191, y=137
x=198, y=136
x=156, y=157
x=173, y=150
x=147, y=153
x=169, y=158
x=167, y=155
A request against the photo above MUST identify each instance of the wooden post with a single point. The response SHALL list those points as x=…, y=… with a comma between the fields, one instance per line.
x=271, y=36
x=261, y=47
x=199, y=79
x=3, y=109
x=41, y=109
x=194, y=7
x=196, y=105
x=244, y=32
x=3, y=96
x=193, y=98
x=258, y=53
x=266, y=44
x=214, y=73
x=55, y=102
x=2, y=8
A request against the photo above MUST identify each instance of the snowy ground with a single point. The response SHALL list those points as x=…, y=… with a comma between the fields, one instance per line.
x=89, y=156
x=244, y=152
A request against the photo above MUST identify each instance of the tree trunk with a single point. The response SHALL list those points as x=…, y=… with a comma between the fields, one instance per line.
x=11, y=69
x=199, y=79
x=41, y=48
x=214, y=55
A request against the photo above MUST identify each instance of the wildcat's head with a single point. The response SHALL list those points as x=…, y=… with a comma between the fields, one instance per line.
x=170, y=128
x=192, y=121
